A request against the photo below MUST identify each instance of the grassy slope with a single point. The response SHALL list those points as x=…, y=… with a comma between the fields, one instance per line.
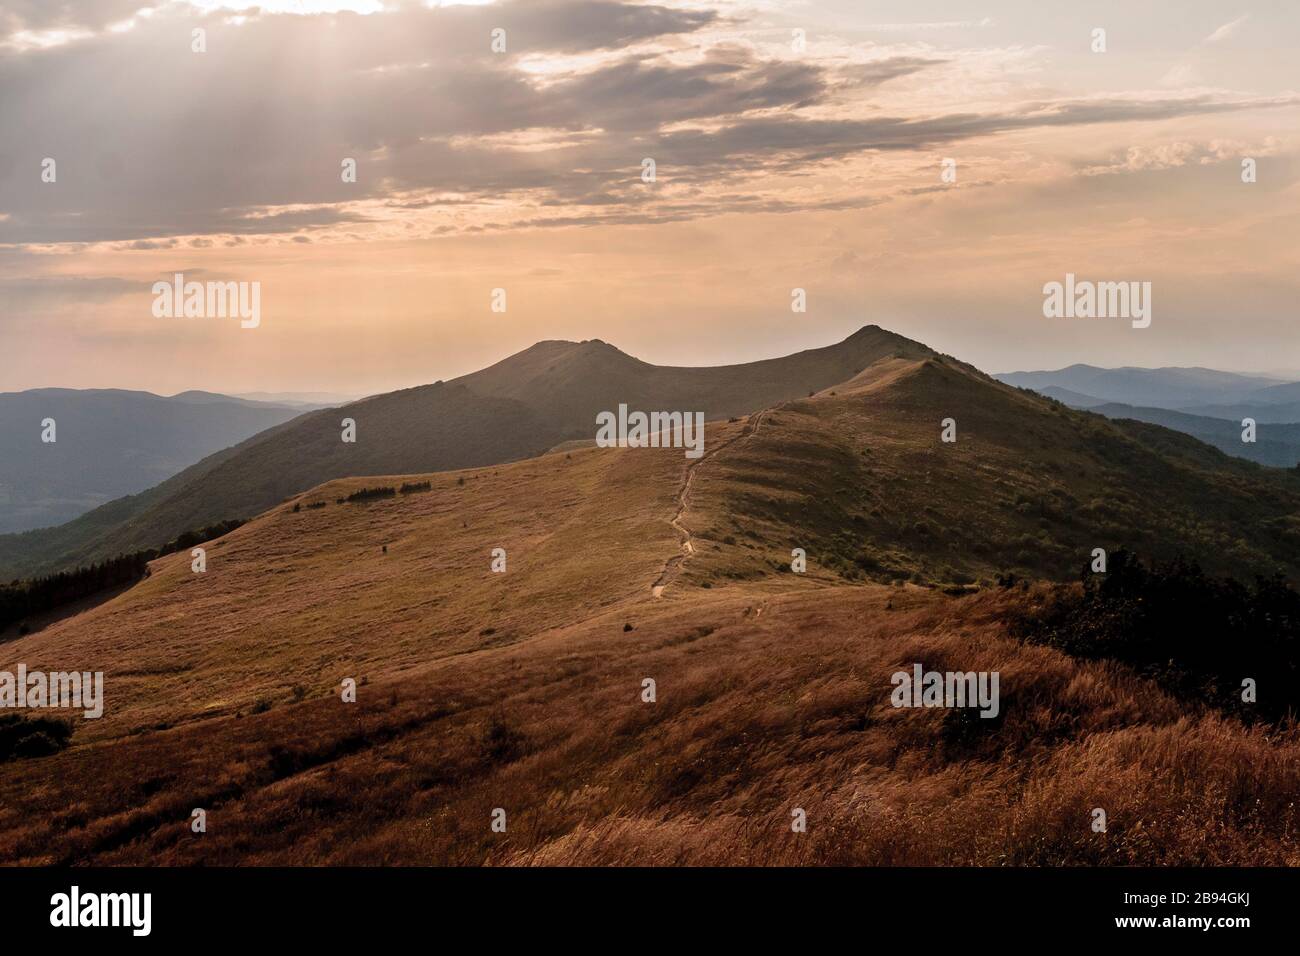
x=308, y=597
x=532, y=401
x=772, y=690
x=862, y=482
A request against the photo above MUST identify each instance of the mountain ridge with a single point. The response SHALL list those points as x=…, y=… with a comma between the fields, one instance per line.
x=521, y=406
x=225, y=686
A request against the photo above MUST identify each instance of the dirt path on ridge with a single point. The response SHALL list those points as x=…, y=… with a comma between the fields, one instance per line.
x=673, y=565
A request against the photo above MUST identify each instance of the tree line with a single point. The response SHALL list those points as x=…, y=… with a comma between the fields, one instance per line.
x=20, y=600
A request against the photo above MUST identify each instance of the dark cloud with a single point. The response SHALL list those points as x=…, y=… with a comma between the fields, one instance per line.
x=792, y=140
x=558, y=26
x=41, y=15
x=641, y=93
x=876, y=72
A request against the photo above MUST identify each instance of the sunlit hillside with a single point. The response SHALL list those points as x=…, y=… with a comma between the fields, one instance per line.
x=525, y=690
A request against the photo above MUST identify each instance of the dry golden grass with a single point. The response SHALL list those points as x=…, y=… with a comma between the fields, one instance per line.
x=772, y=693
x=757, y=713
x=307, y=598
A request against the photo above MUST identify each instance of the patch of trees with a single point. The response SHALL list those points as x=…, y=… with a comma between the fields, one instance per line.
x=31, y=737
x=368, y=494
x=192, y=539
x=22, y=599
x=1200, y=637
x=411, y=487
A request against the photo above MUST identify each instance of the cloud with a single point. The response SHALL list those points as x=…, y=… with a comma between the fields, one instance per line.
x=1177, y=154
x=155, y=143
x=1227, y=30
x=76, y=18
x=554, y=25
x=927, y=26
x=878, y=71
x=1184, y=73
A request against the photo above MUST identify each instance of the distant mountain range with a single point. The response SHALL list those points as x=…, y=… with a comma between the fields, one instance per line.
x=109, y=443
x=312, y=399
x=1159, y=387
x=548, y=396
x=1202, y=402
x=1275, y=445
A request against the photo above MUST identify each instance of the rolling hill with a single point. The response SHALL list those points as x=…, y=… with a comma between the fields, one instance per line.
x=1276, y=445
x=1029, y=486
x=541, y=397
x=523, y=690
x=109, y=443
x=1073, y=399
x=1203, y=403
x=1282, y=413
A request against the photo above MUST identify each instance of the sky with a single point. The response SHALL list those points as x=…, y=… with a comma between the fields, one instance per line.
x=796, y=145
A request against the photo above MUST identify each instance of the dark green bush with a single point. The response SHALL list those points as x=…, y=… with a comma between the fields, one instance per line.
x=1197, y=635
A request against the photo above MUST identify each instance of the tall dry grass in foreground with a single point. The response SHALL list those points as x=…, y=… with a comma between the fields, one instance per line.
x=765, y=703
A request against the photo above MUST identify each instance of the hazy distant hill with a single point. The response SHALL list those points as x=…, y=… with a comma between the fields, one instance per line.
x=1201, y=402
x=312, y=399
x=1285, y=393
x=1158, y=387
x=521, y=406
x=1281, y=413
x=1277, y=445
x=109, y=443
x=1071, y=398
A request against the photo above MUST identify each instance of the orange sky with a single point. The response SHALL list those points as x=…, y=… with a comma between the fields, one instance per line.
x=778, y=167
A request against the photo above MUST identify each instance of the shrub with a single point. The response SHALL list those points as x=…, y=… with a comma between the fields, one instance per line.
x=1198, y=636
x=31, y=737
x=191, y=539
x=501, y=742
x=368, y=494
